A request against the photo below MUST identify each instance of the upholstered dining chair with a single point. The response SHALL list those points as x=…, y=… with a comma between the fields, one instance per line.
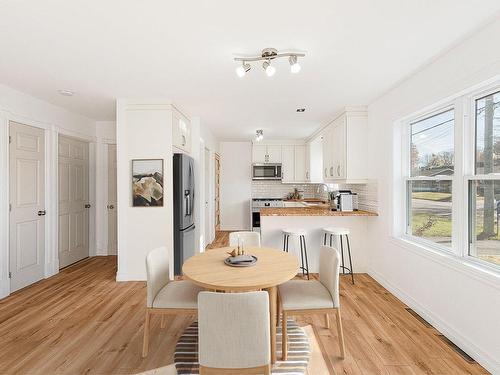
x=234, y=333
x=165, y=296
x=251, y=239
x=301, y=297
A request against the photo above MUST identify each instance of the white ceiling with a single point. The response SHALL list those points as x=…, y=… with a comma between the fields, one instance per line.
x=183, y=50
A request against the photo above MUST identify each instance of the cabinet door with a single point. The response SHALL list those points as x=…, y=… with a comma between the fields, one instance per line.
x=300, y=163
x=339, y=155
x=307, y=162
x=176, y=131
x=259, y=153
x=185, y=128
x=327, y=154
x=288, y=163
x=274, y=154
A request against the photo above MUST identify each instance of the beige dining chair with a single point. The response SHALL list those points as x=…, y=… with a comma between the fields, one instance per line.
x=302, y=297
x=251, y=239
x=234, y=333
x=165, y=296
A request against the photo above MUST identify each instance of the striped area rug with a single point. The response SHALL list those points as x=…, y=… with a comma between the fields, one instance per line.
x=186, y=351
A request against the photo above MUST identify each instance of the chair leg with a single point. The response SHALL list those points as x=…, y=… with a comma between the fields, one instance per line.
x=284, y=337
x=340, y=333
x=145, y=343
x=163, y=321
x=350, y=260
x=278, y=310
x=327, y=321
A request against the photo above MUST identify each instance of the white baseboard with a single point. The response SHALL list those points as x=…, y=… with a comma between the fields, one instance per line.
x=129, y=277
x=483, y=358
x=4, y=288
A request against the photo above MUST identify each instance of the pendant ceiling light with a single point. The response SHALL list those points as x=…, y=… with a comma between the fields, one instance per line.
x=267, y=55
x=259, y=135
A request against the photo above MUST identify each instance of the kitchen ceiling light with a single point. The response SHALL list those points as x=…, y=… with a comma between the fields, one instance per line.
x=267, y=55
x=294, y=65
x=243, y=69
x=259, y=135
x=270, y=70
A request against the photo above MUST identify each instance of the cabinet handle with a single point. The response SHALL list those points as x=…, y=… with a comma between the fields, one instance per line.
x=326, y=172
x=338, y=170
x=307, y=175
x=331, y=171
x=183, y=140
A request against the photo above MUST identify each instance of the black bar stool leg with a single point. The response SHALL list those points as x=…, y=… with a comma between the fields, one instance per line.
x=331, y=239
x=324, y=241
x=301, y=256
x=350, y=260
x=284, y=242
x=307, y=262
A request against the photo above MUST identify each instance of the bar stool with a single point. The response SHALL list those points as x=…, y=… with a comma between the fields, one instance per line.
x=336, y=231
x=301, y=234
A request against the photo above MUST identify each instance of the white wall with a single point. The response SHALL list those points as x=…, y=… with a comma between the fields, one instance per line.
x=143, y=131
x=454, y=297
x=236, y=185
x=17, y=106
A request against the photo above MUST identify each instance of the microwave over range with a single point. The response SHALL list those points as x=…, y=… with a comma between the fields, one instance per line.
x=266, y=171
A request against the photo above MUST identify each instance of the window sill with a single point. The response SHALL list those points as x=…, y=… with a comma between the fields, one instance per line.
x=469, y=267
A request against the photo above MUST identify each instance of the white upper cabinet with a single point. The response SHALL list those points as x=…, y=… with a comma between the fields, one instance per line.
x=344, y=148
x=266, y=153
x=181, y=132
x=288, y=163
x=300, y=163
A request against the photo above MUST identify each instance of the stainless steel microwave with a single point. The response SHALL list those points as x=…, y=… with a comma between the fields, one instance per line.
x=266, y=171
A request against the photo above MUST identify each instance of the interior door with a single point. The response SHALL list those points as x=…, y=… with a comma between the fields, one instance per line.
x=112, y=223
x=217, y=192
x=27, y=205
x=208, y=228
x=73, y=201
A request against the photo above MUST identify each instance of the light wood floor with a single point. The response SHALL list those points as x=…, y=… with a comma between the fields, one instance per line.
x=83, y=322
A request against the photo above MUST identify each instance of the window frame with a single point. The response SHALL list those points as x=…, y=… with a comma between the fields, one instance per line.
x=464, y=105
x=406, y=176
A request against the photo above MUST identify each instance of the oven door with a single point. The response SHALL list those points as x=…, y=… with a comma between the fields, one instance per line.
x=266, y=171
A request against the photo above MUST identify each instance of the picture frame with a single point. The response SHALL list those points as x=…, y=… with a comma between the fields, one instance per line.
x=147, y=183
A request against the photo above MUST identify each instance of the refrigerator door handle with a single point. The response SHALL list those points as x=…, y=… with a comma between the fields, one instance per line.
x=187, y=197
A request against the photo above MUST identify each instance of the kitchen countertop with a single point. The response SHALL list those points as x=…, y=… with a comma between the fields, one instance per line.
x=320, y=210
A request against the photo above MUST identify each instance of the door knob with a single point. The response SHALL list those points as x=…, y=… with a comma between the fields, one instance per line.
x=41, y=213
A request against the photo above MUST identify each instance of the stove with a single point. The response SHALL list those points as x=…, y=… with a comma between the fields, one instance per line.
x=257, y=204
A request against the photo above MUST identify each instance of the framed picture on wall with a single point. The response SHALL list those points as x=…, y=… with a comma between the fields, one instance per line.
x=147, y=182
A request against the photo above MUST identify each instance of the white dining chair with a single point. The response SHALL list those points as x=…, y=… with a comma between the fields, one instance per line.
x=165, y=296
x=301, y=297
x=234, y=333
x=251, y=239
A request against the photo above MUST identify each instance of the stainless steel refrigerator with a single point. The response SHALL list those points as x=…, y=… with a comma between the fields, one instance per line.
x=184, y=183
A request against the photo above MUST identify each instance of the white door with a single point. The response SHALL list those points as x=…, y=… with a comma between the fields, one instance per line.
x=112, y=223
x=208, y=227
x=288, y=163
x=274, y=154
x=300, y=163
x=27, y=200
x=73, y=201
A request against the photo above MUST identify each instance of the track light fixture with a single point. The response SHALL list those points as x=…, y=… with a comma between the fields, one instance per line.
x=267, y=55
x=243, y=69
x=259, y=135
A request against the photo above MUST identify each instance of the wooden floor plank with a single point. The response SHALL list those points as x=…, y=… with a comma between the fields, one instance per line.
x=83, y=322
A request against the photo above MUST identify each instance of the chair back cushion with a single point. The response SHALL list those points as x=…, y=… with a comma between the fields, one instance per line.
x=233, y=330
x=329, y=268
x=252, y=239
x=157, y=272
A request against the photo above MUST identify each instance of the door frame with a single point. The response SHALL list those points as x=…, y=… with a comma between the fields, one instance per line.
x=216, y=187
x=52, y=131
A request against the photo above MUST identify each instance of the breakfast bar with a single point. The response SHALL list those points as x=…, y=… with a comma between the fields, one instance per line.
x=312, y=220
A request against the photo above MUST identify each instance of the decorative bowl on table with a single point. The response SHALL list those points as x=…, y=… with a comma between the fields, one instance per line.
x=241, y=260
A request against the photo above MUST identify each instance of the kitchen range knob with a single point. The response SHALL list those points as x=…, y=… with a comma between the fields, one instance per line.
x=110, y=206
x=42, y=213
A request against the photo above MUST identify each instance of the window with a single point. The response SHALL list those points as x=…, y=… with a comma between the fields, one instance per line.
x=451, y=179
x=484, y=186
x=429, y=181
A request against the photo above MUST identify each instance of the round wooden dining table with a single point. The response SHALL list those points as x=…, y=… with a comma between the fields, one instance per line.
x=273, y=267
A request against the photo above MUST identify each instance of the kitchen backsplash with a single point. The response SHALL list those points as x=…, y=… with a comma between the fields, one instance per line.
x=367, y=193
x=276, y=189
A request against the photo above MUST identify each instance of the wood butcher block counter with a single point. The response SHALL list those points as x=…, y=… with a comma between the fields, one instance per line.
x=320, y=210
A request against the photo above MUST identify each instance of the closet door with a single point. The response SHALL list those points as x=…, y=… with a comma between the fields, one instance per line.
x=73, y=201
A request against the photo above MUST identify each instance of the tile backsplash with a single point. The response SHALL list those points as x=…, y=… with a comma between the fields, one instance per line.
x=367, y=193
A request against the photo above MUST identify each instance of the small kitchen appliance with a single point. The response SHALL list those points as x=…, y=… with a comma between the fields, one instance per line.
x=347, y=200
